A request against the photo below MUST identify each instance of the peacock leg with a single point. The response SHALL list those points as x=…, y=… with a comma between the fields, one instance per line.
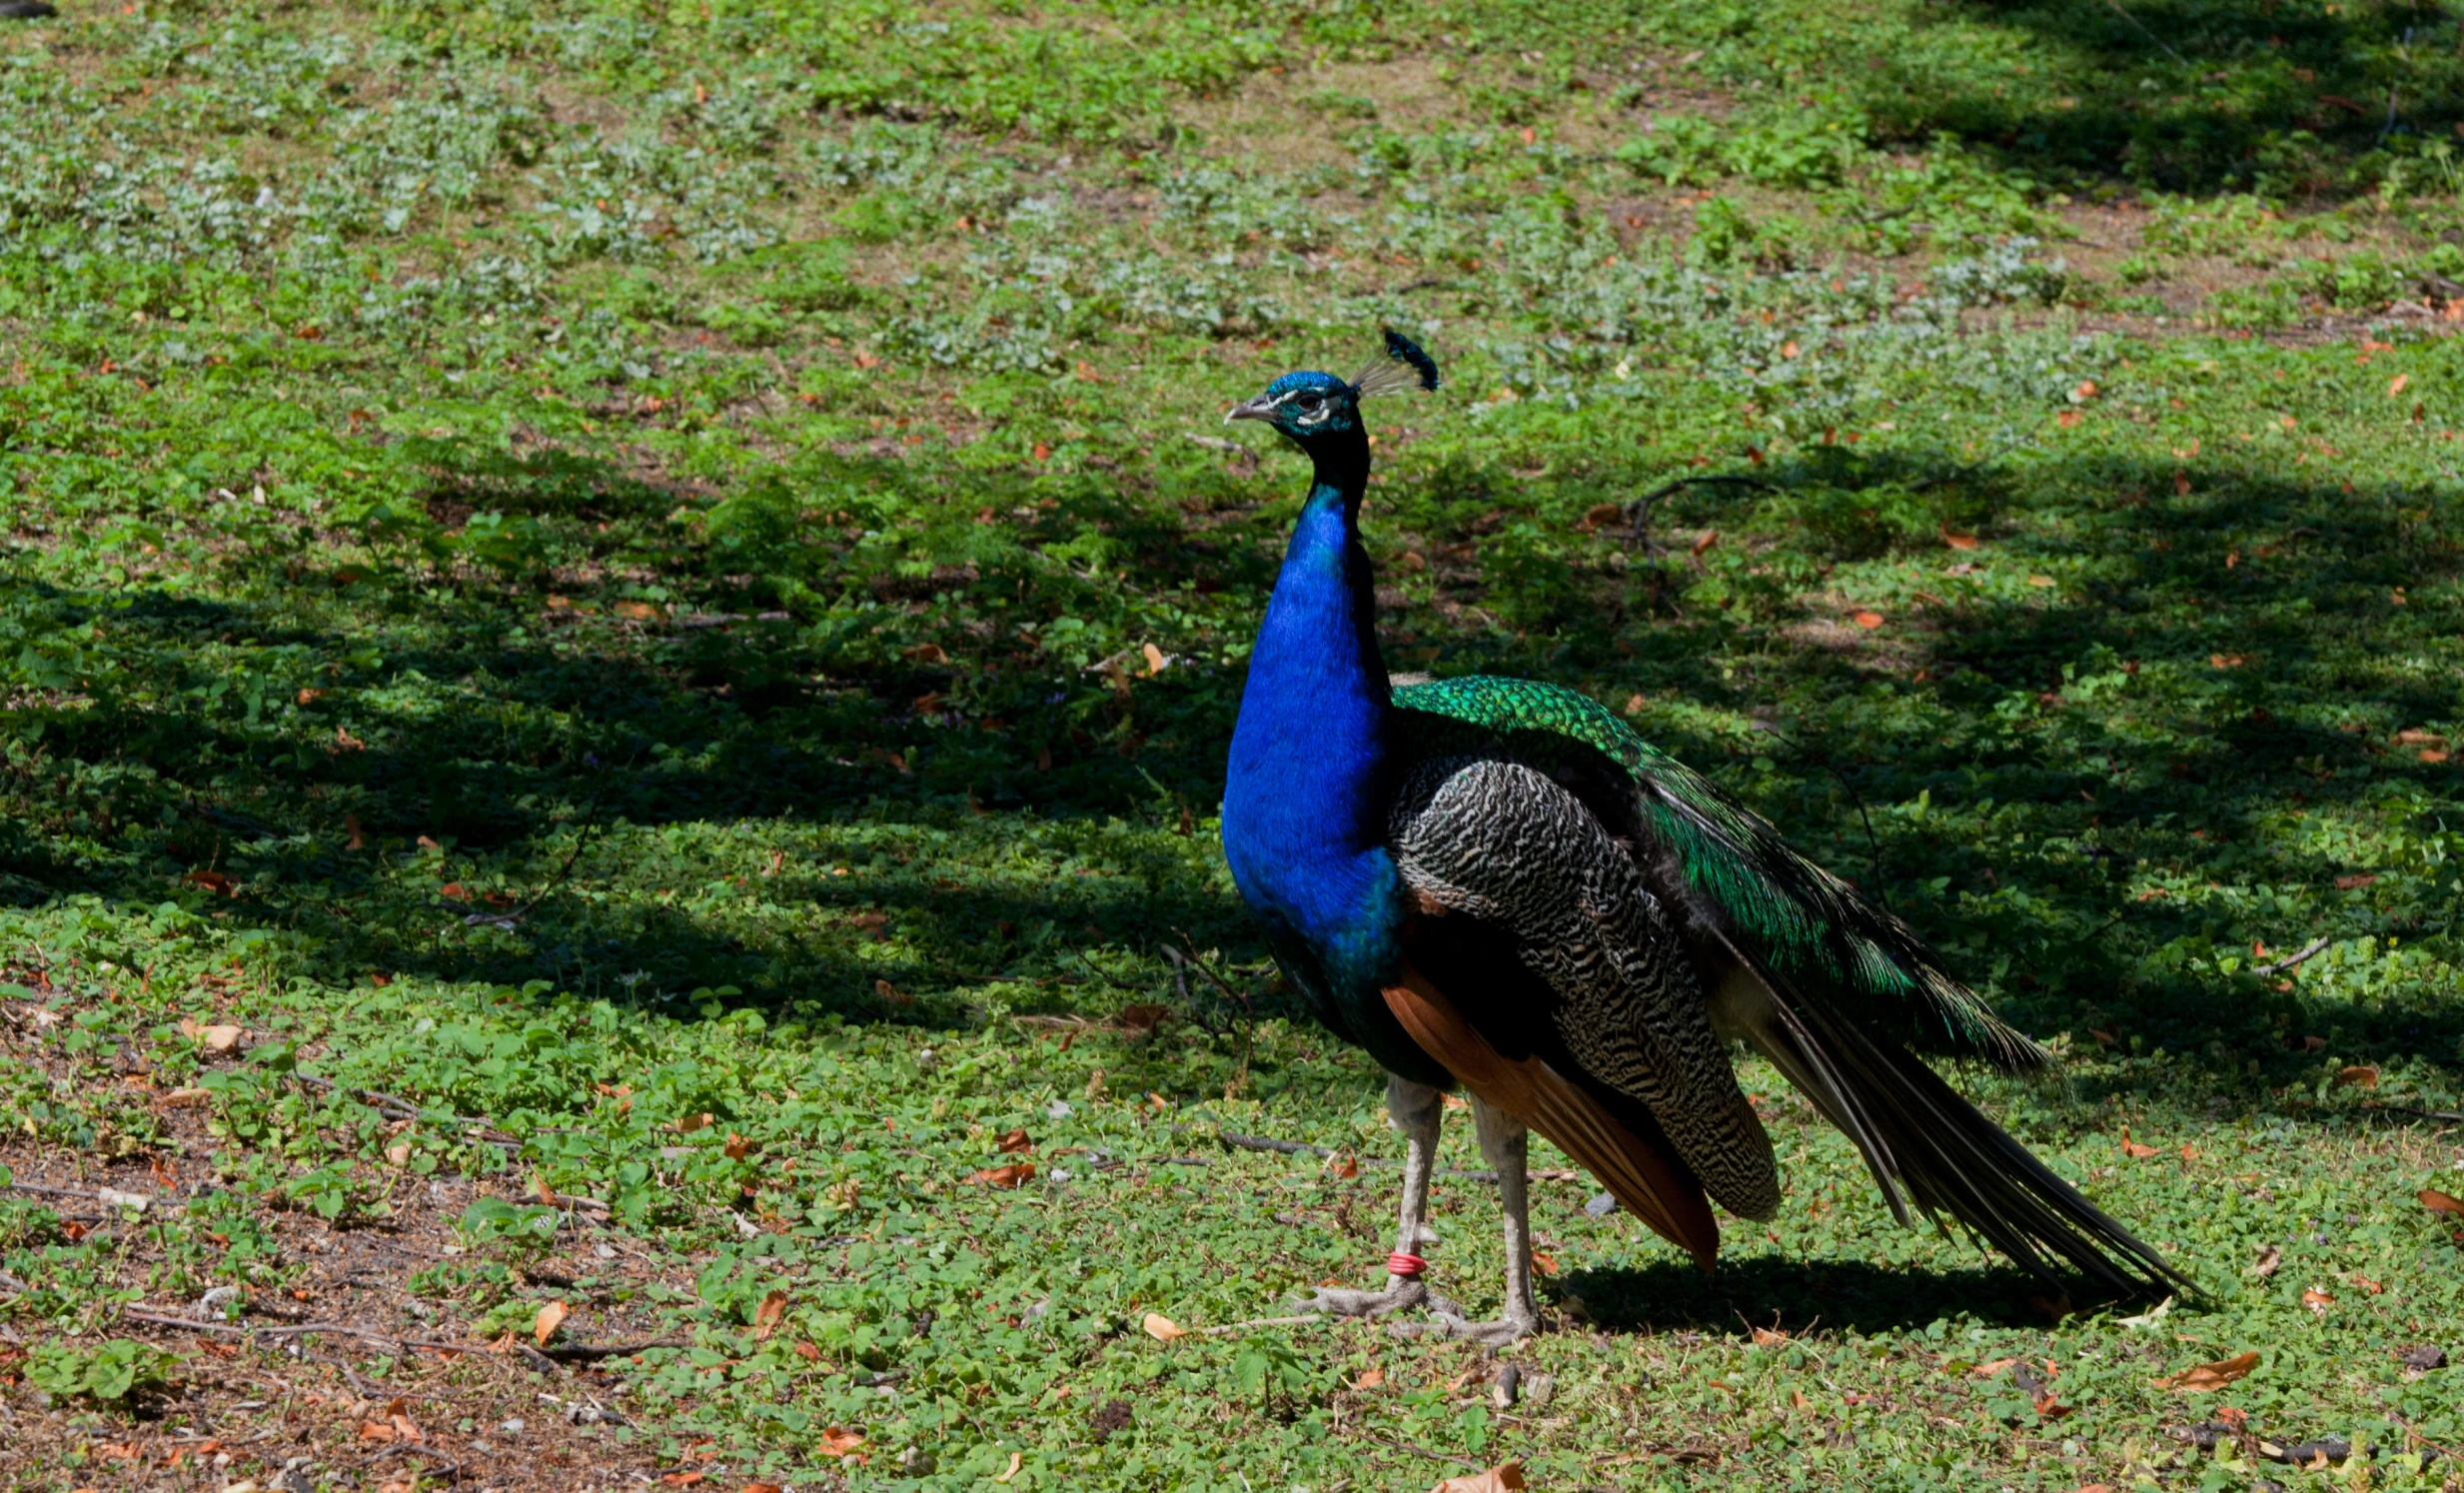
x=1416, y=1109
x=1505, y=1144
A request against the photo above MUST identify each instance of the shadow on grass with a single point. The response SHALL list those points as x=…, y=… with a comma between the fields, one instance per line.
x=2182, y=95
x=494, y=732
x=1794, y=1295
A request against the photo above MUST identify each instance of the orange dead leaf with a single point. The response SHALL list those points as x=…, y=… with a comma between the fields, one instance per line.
x=1710, y=538
x=1162, y=1328
x=1002, y=1176
x=2317, y=1300
x=1016, y=1461
x=839, y=1442
x=761, y=1488
x=2359, y=1075
x=1867, y=620
x=2228, y=661
x=2212, y=1377
x=638, y=611
x=1958, y=541
x=2067, y=419
x=2441, y=1203
x=2085, y=391
x=545, y=1325
x=1505, y=1477
x=2350, y=884
x=2133, y=1149
x=1370, y=1379
x=684, y=1479
x=766, y=1316
x=2395, y=386
x=1544, y=1262
x=359, y=837
x=736, y=1149
x=1043, y=453
x=1342, y=1164
x=1013, y=1140
x=2269, y=1260
x=2040, y=579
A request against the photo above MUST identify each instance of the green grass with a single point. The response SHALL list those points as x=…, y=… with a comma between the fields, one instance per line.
x=593, y=566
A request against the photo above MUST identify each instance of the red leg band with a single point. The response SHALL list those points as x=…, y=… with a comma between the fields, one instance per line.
x=1400, y=1263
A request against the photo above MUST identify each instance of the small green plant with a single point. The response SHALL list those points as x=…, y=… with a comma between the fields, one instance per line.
x=524, y=1226
x=108, y=1371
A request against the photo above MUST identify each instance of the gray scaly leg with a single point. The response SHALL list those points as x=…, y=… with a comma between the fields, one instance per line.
x=1505, y=1144
x=1416, y=1109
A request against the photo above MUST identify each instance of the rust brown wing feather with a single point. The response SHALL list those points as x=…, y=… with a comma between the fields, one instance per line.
x=1648, y=1181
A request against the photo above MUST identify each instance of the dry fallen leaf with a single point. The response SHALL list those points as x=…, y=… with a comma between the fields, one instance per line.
x=1013, y=1140
x=838, y=1443
x=1370, y=1379
x=1502, y=1478
x=545, y=1325
x=1958, y=541
x=221, y=1038
x=2212, y=1377
x=1162, y=1328
x=1017, y=1460
x=1002, y=1176
x=2133, y=1149
x=2349, y=883
x=689, y=1124
x=2317, y=1300
x=766, y=1315
x=736, y=1149
x=2395, y=386
x=2269, y=1260
x=2441, y=1203
x=1342, y=1164
x=1867, y=620
x=1155, y=659
x=2359, y=1075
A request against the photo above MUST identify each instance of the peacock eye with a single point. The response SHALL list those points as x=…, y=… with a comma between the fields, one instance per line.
x=1310, y=401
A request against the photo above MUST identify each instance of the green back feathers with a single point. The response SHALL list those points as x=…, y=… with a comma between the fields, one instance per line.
x=1809, y=932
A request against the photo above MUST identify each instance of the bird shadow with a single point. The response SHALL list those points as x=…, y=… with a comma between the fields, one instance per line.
x=1791, y=1295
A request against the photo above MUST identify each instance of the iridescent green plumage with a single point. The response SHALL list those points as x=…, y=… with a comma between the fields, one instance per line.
x=1787, y=914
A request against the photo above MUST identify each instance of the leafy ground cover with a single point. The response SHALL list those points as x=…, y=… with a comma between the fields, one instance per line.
x=621, y=622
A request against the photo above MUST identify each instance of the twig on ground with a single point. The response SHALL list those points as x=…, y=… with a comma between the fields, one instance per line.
x=594, y=1352
x=1641, y=532
x=2295, y=958
x=2115, y=7
x=338, y=1329
x=1231, y=1327
x=2406, y=1110
x=1304, y=1148
x=1422, y=1451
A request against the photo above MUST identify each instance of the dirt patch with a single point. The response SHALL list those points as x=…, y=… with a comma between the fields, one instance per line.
x=350, y=1364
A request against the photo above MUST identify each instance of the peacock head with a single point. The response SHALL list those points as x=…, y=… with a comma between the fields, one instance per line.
x=1318, y=406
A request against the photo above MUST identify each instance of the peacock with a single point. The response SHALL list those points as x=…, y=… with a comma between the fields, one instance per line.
x=1496, y=884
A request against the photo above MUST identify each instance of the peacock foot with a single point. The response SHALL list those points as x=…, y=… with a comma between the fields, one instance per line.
x=1497, y=1334
x=1402, y=1293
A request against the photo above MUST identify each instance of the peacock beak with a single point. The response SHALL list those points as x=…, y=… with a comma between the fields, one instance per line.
x=1260, y=408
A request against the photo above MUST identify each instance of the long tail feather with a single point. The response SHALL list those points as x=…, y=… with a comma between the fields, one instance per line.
x=1919, y=1136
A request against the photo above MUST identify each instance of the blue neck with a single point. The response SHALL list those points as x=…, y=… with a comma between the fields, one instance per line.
x=1307, y=773
x=1305, y=800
